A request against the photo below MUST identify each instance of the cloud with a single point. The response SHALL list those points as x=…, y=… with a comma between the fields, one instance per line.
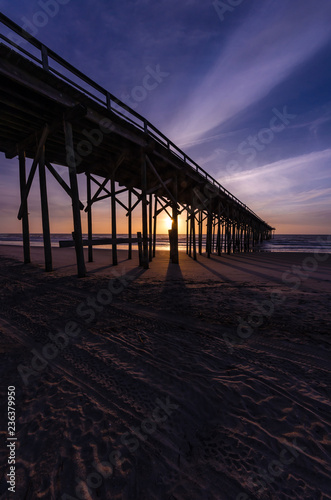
x=287, y=191
x=288, y=173
x=288, y=164
x=261, y=53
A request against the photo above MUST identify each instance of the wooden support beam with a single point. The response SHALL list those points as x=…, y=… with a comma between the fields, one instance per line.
x=140, y=196
x=119, y=162
x=34, y=166
x=209, y=234
x=202, y=201
x=140, y=249
x=174, y=230
x=189, y=216
x=155, y=188
x=229, y=237
x=105, y=197
x=113, y=221
x=89, y=216
x=124, y=190
x=225, y=236
x=44, y=212
x=100, y=184
x=62, y=183
x=196, y=216
x=193, y=236
x=144, y=211
x=25, y=216
x=150, y=229
x=218, y=245
x=173, y=233
x=69, y=142
x=44, y=57
x=187, y=244
x=183, y=208
x=166, y=202
x=155, y=225
x=213, y=235
x=200, y=232
x=223, y=242
x=164, y=208
x=167, y=160
x=122, y=204
x=160, y=180
x=234, y=238
x=96, y=194
x=130, y=223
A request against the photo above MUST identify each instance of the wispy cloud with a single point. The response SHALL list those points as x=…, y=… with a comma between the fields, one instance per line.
x=287, y=190
x=260, y=54
x=289, y=165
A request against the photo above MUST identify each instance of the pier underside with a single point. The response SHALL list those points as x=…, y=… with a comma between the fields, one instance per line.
x=54, y=115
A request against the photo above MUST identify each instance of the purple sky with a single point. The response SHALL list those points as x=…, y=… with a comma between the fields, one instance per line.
x=245, y=91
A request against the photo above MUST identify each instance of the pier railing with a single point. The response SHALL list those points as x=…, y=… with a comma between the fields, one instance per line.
x=48, y=60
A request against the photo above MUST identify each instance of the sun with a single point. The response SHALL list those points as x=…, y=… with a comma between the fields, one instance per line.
x=165, y=225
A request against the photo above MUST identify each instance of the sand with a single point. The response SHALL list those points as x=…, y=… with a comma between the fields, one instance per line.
x=207, y=380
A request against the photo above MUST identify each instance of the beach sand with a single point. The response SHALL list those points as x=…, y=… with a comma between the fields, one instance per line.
x=206, y=380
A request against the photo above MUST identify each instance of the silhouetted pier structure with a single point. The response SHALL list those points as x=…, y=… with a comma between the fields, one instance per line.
x=55, y=115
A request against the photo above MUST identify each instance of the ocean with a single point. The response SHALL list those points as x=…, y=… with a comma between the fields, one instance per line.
x=279, y=243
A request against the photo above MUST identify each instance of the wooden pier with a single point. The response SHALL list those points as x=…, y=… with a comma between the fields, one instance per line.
x=53, y=114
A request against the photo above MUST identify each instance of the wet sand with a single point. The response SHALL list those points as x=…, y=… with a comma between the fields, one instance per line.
x=207, y=380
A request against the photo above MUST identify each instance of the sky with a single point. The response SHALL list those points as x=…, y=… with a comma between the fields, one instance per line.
x=245, y=91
